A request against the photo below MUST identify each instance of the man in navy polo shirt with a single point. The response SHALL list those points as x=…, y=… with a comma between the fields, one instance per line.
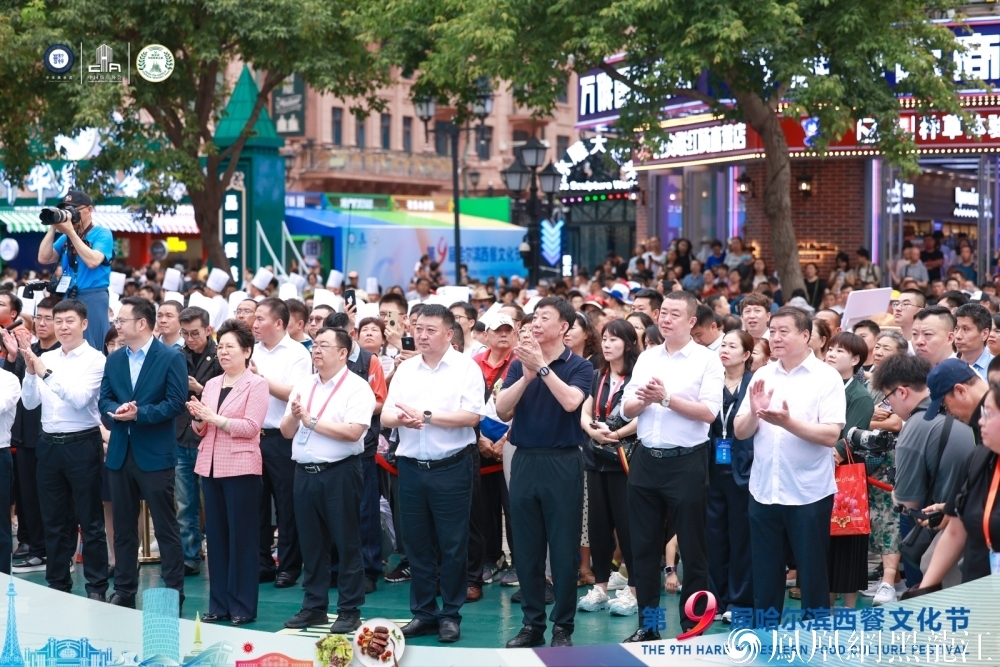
x=543, y=393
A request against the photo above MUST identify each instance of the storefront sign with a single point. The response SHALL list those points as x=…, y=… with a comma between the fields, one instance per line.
x=594, y=176
x=600, y=97
x=233, y=227
x=966, y=203
x=288, y=107
x=422, y=204
x=898, y=196
x=702, y=140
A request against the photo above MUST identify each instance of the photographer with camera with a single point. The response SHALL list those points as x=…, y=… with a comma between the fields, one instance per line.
x=929, y=452
x=84, y=252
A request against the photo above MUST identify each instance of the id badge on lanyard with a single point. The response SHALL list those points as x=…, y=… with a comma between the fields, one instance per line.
x=724, y=445
x=303, y=436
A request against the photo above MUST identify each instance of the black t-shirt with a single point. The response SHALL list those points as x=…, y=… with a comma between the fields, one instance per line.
x=970, y=507
x=932, y=256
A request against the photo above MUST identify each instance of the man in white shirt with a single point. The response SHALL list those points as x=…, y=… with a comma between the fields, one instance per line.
x=706, y=330
x=675, y=392
x=168, y=324
x=435, y=399
x=934, y=334
x=10, y=393
x=795, y=410
x=904, y=309
x=327, y=419
x=755, y=309
x=282, y=362
x=67, y=384
x=971, y=331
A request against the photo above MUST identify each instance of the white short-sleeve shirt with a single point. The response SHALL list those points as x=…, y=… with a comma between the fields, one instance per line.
x=353, y=403
x=287, y=363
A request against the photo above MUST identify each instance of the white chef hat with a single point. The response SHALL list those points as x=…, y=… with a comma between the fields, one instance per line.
x=217, y=280
x=262, y=279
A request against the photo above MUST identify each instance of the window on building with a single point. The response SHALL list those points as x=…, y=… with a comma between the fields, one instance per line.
x=359, y=131
x=408, y=134
x=484, y=142
x=338, y=126
x=442, y=137
x=563, y=95
x=520, y=136
x=386, y=131
x=562, y=143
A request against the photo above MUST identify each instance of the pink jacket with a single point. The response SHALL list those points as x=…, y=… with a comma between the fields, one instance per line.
x=237, y=452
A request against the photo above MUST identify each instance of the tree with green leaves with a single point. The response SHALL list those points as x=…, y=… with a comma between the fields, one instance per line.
x=166, y=128
x=805, y=58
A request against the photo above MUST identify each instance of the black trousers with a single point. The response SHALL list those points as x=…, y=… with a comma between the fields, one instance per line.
x=233, y=534
x=397, y=516
x=607, y=512
x=22, y=528
x=29, y=515
x=730, y=566
x=495, y=512
x=328, y=513
x=435, y=506
x=371, y=523
x=69, y=476
x=477, y=540
x=278, y=481
x=673, y=487
x=6, y=498
x=546, y=505
x=806, y=530
x=129, y=484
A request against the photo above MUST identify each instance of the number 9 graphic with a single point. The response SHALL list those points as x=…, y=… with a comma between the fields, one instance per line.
x=705, y=619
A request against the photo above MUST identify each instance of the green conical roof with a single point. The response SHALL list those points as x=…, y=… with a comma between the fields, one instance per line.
x=237, y=113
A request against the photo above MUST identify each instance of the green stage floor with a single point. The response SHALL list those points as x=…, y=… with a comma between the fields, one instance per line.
x=488, y=623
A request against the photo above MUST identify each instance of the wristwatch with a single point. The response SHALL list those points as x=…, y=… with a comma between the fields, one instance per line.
x=48, y=372
x=666, y=402
x=427, y=416
x=543, y=371
x=312, y=423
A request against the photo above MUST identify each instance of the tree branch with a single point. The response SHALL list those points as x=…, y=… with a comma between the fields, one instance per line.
x=689, y=92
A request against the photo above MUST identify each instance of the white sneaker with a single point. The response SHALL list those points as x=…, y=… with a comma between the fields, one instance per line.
x=886, y=594
x=871, y=590
x=900, y=587
x=595, y=600
x=617, y=582
x=72, y=565
x=727, y=616
x=624, y=603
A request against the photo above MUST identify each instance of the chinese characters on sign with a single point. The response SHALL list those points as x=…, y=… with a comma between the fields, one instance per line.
x=232, y=231
x=702, y=140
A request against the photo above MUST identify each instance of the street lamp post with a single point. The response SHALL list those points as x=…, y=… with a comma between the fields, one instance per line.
x=425, y=108
x=523, y=174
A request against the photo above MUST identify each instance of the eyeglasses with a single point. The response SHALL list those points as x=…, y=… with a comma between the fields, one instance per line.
x=892, y=392
x=316, y=320
x=901, y=304
x=48, y=319
x=243, y=312
x=118, y=320
x=191, y=334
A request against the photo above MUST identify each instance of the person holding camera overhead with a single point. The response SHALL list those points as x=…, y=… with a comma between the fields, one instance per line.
x=84, y=252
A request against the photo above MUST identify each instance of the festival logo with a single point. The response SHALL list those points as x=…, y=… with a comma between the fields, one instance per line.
x=155, y=63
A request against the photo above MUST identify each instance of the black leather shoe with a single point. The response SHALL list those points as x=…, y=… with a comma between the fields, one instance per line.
x=561, y=636
x=305, y=619
x=20, y=552
x=191, y=571
x=111, y=571
x=267, y=576
x=96, y=596
x=370, y=586
x=347, y=621
x=448, y=632
x=550, y=592
x=418, y=628
x=528, y=637
x=285, y=580
x=120, y=600
x=516, y=597
x=243, y=620
x=214, y=618
x=642, y=635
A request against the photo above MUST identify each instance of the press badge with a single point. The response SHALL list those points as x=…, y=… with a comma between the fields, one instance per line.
x=995, y=562
x=303, y=435
x=64, y=284
x=723, y=451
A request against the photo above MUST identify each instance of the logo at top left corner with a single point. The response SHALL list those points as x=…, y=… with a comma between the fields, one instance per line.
x=59, y=59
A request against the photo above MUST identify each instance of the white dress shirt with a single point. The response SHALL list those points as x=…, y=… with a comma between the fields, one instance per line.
x=354, y=403
x=287, y=363
x=716, y=344
x=694, y=373
x=10, y=393
x=456, y=384
x=69, y=397
x=788, y=470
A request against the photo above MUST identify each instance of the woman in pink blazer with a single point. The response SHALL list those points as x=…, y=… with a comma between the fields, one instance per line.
x=228, y=417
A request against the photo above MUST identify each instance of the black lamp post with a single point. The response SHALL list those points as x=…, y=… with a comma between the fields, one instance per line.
x=426, y=108
x=523, y=174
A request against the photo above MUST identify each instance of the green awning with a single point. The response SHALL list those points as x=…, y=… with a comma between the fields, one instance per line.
x=21, y=222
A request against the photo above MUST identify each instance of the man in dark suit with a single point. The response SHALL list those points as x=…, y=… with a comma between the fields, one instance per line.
x=144, y=389
x=202, y=366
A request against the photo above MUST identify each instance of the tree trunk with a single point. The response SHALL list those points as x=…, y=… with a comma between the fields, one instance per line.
x=777, y=190
x=207, y=203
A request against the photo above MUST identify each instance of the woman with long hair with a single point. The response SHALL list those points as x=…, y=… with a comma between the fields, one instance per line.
x=728, y=527
x=683, y=256
x=641, y=322
x=582, y=339
x=606, y=476
x=759, y=272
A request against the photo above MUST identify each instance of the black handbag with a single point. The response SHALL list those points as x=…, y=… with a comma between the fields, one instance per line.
x=918, y=540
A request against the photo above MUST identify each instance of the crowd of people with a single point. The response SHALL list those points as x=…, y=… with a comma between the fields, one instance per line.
x=666, y=425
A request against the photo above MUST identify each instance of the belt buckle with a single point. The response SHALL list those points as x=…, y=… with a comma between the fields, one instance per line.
x=58, y=439
x=424, y=465
x=311, y=468
x=656, y=453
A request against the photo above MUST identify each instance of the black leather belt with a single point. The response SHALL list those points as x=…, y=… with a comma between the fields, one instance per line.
x=265, y=432
x=314, y=468
x=660, y=453
x=437, y=463
x=63, y=438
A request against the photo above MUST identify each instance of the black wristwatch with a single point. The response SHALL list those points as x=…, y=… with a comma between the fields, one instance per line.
x=48, y=372
x=543, y=371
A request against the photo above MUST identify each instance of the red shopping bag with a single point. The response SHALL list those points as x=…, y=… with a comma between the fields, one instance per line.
x=850, y=504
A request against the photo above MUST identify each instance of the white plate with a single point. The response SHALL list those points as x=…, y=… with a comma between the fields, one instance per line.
x=395, y=637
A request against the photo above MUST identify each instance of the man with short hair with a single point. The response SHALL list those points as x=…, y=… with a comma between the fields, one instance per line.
x=392, y=310
x=10, y=307
x=720, y=304
x=904, y=309
x=868, y=331
x=168, y=325
x=66, y=383
x=755, y=309
x=934, y=334
x=961, y=390
x=328, y=440
x=421, y=290
x=315, y=320
x=202, y=365
x=245, y=311
x=143, y=391
x=647, y=301
x=282, y=362
x=706, y=330
x=297, y=316
x=435, y=465
x=795, y=410
x=717, y=257
x=865, y=272
x=832, y=318
x=465, y=316
x=972, y=327
x=543, y=393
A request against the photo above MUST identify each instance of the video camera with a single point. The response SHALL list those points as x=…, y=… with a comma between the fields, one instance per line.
x=871, y=443
x=50, y=216
x=40, y=285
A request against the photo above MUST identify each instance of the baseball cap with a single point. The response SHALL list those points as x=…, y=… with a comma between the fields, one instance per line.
x=943, y=379
x=497, y=320
x=593, y=300
x=77, y=198
x=619, y=292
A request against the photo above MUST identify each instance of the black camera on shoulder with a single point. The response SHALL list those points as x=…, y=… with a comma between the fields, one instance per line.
x=50, y=216
x=871, y=443
x=39, y=286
